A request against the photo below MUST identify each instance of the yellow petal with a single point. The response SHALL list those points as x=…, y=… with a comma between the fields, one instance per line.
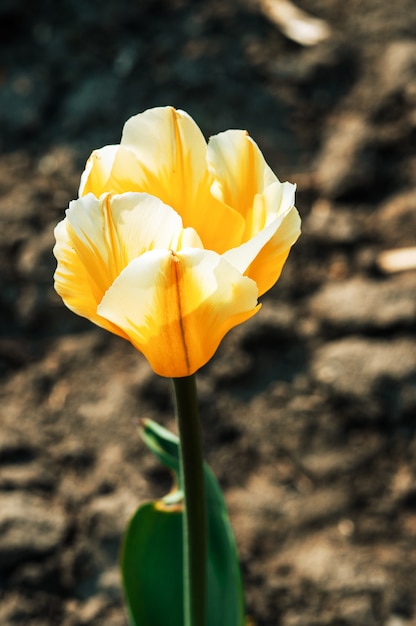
x=172, y=154
x=171, y=151
x=177, y=307
x=86, y=233
x=240, y=173
x=73, y=282
x=267, y=266
x=163, y=153
x=99, y=237
x=263, y=256
x=137, y=222
x=111, y=169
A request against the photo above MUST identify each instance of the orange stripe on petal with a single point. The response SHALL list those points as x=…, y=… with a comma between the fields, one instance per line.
x=171, y=152
x=74, y=284
x=100, y=237
x=144, y=302
x=176, y=308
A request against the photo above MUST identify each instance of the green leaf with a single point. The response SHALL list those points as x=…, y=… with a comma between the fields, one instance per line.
x=151, y=567
x=152, y=561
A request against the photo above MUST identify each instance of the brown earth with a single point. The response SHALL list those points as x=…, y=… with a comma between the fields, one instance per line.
x=308, y=411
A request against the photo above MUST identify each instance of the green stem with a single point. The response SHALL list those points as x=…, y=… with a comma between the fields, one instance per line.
x=194, y=519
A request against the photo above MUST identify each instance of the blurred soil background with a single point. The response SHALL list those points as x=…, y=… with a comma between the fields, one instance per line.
x=308, y=411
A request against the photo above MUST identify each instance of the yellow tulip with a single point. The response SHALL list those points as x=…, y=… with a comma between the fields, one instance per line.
x=172, y=240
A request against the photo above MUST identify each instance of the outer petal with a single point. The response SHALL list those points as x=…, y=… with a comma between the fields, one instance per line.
x=176, y=308
x=74, y=283
x=268, y=264
x=263, y=256
x=99, y=237
x=240, y=173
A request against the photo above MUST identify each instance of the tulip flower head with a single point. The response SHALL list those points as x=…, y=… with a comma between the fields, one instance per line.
x=172, y=240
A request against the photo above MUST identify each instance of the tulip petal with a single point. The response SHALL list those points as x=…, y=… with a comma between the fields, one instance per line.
x=240, y=172
x=177, y=307
x=171, y=151
x=75, y=284
x=99, y=237
x=171, y=147
x=85, y=231
x=111, y=169
x=267, y=266
x=137, y=222
x=262, y=258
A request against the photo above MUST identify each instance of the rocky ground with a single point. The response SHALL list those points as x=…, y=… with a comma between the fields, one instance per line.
x=308, y=410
